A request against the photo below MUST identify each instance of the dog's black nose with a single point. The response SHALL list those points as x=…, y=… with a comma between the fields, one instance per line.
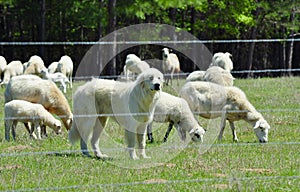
x=157, y=86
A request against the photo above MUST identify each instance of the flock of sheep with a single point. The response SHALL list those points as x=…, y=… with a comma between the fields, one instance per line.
x=31, y=92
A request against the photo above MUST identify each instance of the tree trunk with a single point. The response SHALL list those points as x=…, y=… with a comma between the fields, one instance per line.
x=43, y=27
x=251, y=51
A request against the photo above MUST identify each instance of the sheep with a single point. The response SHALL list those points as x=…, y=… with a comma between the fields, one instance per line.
x=176, y=111
x=222, y=60
x=26, y=112
x=212, y=100
x=34, y=66
x=3, y=64
x=14, y=68
x=52, y=67
x=219, y=76
x=65, y=66
x=36, y=90
x=170, y=64
x=196, y=76
x=56, y=78
x=135, y=65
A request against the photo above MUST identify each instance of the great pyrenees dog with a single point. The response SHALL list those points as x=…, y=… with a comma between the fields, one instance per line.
x=131, y=104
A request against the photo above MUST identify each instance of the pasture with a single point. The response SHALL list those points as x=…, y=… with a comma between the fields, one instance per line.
x=52, y=164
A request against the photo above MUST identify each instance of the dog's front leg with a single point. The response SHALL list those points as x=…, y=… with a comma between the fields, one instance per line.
x=141, y=139
x=130, y=139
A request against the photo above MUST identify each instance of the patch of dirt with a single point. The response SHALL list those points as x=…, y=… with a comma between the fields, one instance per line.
x=10, y=167
x=155, y=181
x=219, y=175
x=257, y=170
x=19, y=148
x=220, y=186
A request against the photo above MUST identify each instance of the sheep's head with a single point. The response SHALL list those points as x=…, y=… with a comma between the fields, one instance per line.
x=261, y=129
x=57, y=127
x=166, y=52
x=197, y=134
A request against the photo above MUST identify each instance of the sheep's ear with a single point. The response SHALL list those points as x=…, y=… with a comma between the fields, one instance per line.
x=256, y=125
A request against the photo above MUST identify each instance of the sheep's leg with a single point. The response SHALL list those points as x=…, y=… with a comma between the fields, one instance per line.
x=223, y=123
x=30, y=131
x=43, y=130
x=13, y=129
x=37, y=127
x=141, y=139
x=130, y=139
x=168, y=131
x=8, y=125
x=96, y=139
x=84, y=149
x=149, y=132
x=235, y=139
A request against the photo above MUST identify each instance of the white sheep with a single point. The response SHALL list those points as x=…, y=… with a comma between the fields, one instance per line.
x=3, y=64
x=196, y=76
x=26, y=112
x=34, y=66
x=176, y=111
x=219, y=76
x=135, y=65
x=56, y=78
x=52, y=67
x=170, y=65
x=36, y=90
x=222, y=60
x=65, y=66
x=14, y=68
x=212, y=100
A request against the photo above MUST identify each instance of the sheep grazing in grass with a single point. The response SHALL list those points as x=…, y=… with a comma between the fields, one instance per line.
x=14, y=68
x=212, y=100
x=3, y=64
x=65, y=66
x=222, y=60
x=58, y=78
x=219, y=76
x=34, y=66
x=52, y=67
x=26, y=112
x=176, y=111
x=196, y=76
x=170, y=65
x=135, y=65
x=36, y=90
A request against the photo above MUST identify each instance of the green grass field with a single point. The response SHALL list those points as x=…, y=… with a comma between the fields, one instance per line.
x=53, y=164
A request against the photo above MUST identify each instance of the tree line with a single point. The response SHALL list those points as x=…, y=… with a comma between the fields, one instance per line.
x=90, y=20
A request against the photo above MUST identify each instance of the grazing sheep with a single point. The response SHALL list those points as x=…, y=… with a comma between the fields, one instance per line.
x=65, y=66
x=222, y=60
x=52, y=67
x=196, y=76
x=135, y=65
x=14, y=68
x=36, y=90
x=136, y=100
x=212, y=100
x=56, y=78
x=34, y=66
x=3, y=64
x=219, y=76
x=170, y=64
x=176, y=111
x=26, y=112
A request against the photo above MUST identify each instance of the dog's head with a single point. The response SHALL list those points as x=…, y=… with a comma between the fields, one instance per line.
x=261, y=129
x=165, y=52
x=151, y=79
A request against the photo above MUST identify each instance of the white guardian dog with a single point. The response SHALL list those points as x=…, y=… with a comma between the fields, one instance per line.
x=131, y=104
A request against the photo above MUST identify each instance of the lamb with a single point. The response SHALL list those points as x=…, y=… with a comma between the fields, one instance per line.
x=219, y=76
x=52, y=67
x=14, y=68
x=56, y=78
x=65, y=66
x=222, y=60
x=196, y=76
x=135, y=65
x=36, y=90
x=176, y=111
x=3, y=64
x=170, y=64
x=26, y=112
x=212, y=100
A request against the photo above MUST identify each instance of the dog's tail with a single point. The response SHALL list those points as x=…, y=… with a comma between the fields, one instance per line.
x=74, y=134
